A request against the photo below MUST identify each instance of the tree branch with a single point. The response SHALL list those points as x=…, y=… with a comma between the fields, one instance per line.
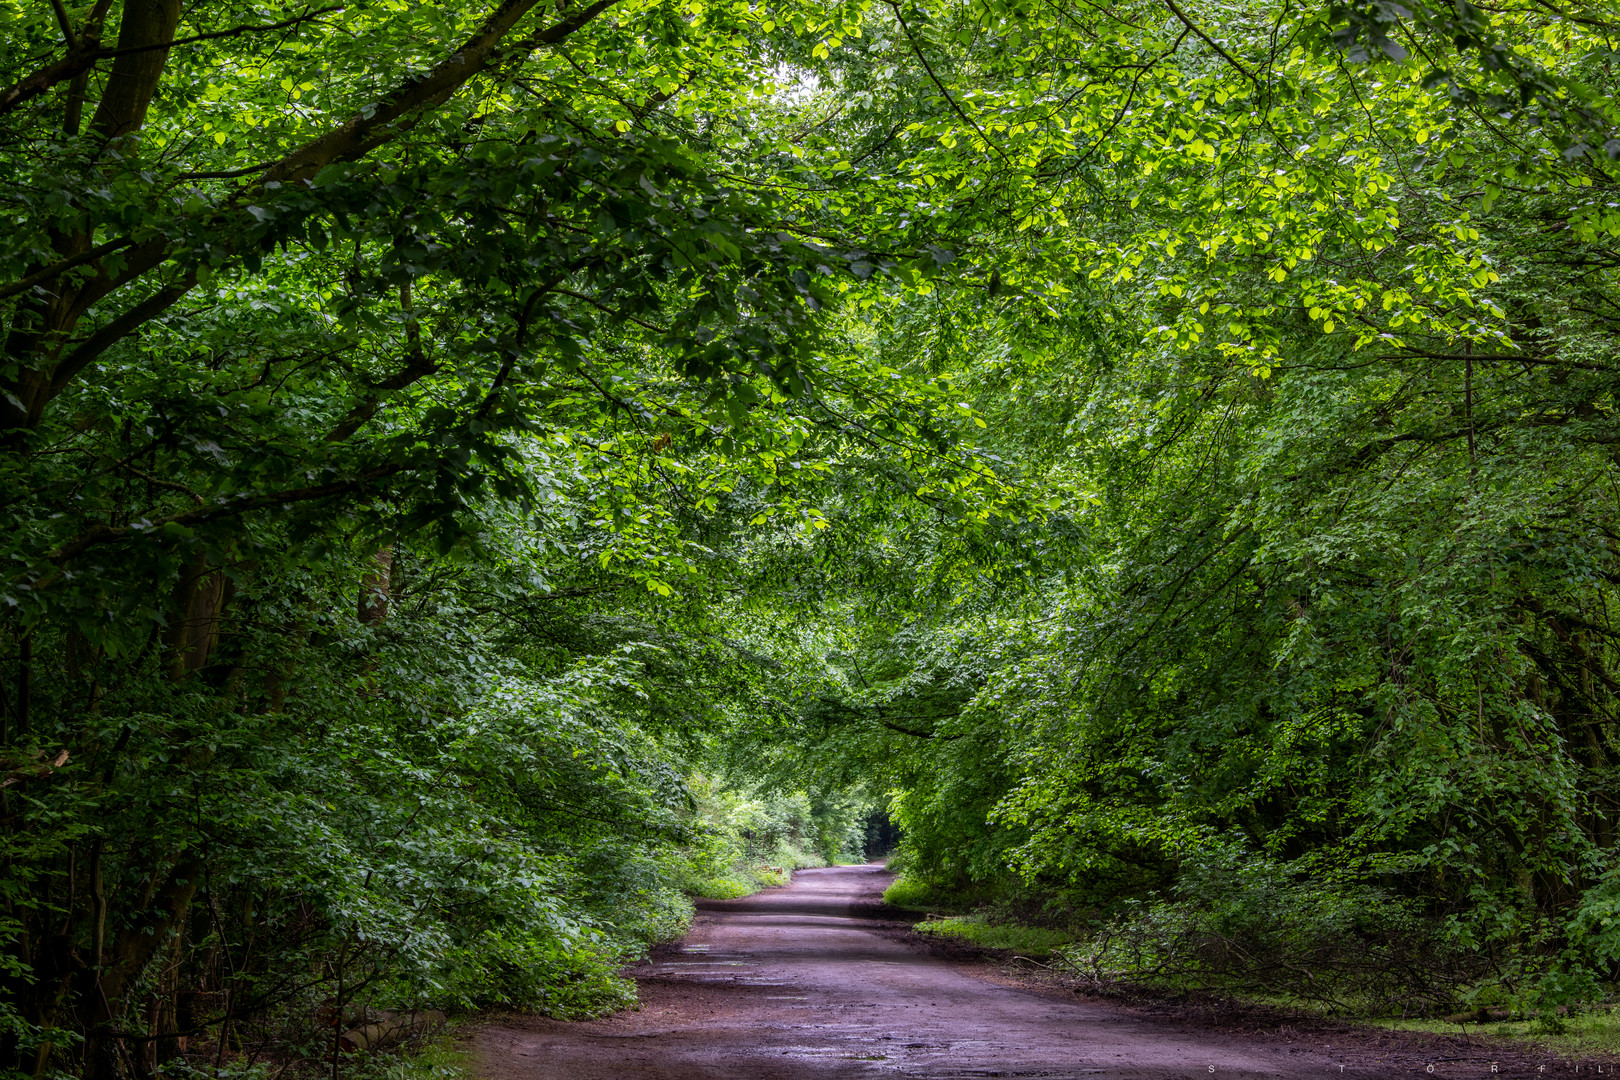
x=375, y=125
x=99, y=535
x=86, y=53
x=949, y=100
x=352, y=140
x=219, y=34
x=1207, y=40
x=98, y=342
x=65, y=23
x=57, y=268
x=611, y=311
x=877, y=717
x=28, y=87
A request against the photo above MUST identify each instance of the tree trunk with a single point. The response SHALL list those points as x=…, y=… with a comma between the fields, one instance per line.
x=163, y=1027
x=374, y=590
x=135, y=75
x=107, y=983
x=25, y=685
x=198, y=601
x=43, y=326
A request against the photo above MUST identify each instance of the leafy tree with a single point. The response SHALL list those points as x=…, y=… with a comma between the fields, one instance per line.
x=381, y=388
x=1305, y=363
x=1159, y=448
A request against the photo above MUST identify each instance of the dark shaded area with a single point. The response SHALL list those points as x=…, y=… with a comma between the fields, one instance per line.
x=881, y=835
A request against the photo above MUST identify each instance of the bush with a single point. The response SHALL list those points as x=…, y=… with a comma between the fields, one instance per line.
x=1248, y=925
x=577, y=981
x=915, y=892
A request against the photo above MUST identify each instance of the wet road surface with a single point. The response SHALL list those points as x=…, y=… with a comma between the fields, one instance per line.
x=802, y=983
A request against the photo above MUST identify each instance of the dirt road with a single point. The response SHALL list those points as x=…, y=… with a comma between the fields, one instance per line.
x=803, y=984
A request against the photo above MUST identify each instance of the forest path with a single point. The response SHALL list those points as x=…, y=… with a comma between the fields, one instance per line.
x=802, y=983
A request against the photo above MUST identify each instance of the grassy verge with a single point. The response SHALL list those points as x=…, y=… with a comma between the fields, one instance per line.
x=438, y=1058
x=966, y=918
x=1032, y=941
x=915, y=894
x=745, y=879
x=1594, y=1034
x=996, y=926
x=430, y=1057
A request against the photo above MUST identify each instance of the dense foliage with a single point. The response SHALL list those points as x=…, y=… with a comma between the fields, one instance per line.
x=1304, y=363
x=469, y=478
x=1311, y=366
x=370, y=377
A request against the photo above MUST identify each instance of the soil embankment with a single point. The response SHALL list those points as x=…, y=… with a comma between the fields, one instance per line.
x=813, y=982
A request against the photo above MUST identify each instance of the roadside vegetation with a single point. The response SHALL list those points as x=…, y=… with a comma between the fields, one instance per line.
x=472, y=479
x=1581, y=1036
x=756, y=840
x=985, y=931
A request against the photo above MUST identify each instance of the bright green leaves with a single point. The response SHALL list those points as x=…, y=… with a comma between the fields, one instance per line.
x=1274, y=192
x=1514, y=64
x=1296, y=383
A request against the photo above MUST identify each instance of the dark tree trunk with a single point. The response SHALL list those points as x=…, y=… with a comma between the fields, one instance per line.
x=25, y=686
x=135, y=75
x=374, y=587
x=44, y=326
x=136, y=944
x=198, y=601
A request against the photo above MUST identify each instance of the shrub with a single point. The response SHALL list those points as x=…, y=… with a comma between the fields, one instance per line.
x=1248, y=925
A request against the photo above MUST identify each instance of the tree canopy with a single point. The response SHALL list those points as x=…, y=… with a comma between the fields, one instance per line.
x=469, y=477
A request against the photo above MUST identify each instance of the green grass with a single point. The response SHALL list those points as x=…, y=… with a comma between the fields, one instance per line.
x=721, y=888
x=432, y=1057
x=1595, y=1034
x=439, y=1059
x=915, y=894
x=741, y=881
x=1582, y=1035
x=1032, y=941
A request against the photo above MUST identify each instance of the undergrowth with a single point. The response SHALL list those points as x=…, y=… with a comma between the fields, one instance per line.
x=753, y=840
x=1034, y=941
x=434, y=1058
x=915, y=893
x=1587, y=1034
